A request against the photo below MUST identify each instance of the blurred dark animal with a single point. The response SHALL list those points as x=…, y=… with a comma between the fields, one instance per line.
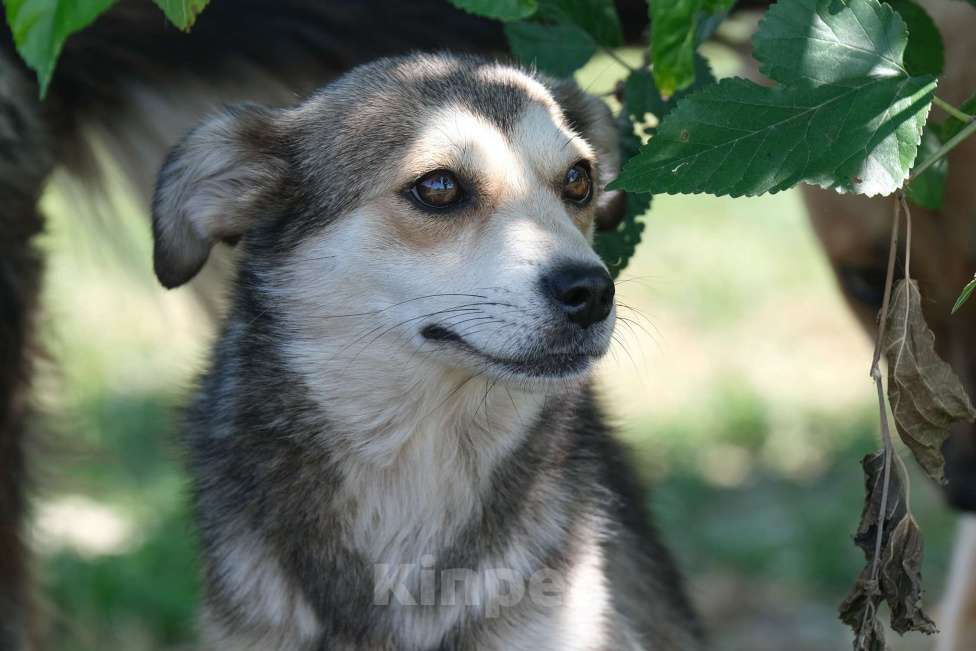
x=855, y=234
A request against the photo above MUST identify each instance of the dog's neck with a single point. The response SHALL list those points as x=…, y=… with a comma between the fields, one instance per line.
x=416, y=444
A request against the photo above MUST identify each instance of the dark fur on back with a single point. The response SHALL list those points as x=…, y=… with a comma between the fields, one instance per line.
x=25, y=162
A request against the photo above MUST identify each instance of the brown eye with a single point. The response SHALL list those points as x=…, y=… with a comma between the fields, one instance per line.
x=438, y=189
x=864, y=283
x=577, y=186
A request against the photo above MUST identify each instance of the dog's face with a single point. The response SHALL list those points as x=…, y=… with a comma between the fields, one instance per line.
x=426, y=210
x=473, y=246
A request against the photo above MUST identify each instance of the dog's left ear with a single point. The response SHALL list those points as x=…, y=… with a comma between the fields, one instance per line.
x=226, y=175
x=591, y=117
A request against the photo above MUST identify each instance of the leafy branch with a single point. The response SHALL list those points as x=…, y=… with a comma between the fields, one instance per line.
x=925, y=398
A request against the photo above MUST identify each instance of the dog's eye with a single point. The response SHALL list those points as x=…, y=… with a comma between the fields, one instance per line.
x=438, y=189
x=577, y=186
x=865, y=284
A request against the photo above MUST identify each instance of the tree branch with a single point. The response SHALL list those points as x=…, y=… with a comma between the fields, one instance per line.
x=616, y=57
x=951, y=144
x=951, y=110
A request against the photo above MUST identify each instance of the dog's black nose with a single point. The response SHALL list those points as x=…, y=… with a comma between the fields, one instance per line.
x=583, y=293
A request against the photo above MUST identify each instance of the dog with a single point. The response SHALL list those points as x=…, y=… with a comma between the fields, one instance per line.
x=855, y=232
x=397, y=445
x=124, y=91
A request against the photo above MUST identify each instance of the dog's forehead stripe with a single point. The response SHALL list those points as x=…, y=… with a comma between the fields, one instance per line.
x=498, y=102
x=496, y=92
x=361, y=124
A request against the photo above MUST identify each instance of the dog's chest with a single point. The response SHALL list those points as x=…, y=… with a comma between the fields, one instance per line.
x=443, y=550
x=413, y=475
x=398, y=513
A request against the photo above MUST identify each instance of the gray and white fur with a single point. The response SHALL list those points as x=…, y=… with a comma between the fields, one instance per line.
x=396, y=445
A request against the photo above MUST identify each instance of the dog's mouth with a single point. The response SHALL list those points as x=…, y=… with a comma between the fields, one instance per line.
x=539, y=365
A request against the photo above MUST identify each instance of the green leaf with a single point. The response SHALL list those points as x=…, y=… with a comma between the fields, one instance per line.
x=967, y=291
x=642, y=96
x=617, y=247
x=675, y=37
x=952, y=126
x=739, y=138
x=925, y=54
x=847, y=115
x=40, y=28
x=182, y=13
x=598, y=18
x=826, y=41
x=928, y=190
x=558, y=50
x=506, y=10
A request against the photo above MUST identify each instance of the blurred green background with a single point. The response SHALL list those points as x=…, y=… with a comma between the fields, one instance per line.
x=742, y=386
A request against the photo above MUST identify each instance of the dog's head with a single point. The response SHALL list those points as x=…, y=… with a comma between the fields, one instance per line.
x=434, y=209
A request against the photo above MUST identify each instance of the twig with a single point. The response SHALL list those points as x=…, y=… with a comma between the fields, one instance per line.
x=616, y=57
x=889, y=449
x=951, y=110
x=889, y=281
x=950, y=144
x=908, y=235
x=889, y=452
x=906, y=480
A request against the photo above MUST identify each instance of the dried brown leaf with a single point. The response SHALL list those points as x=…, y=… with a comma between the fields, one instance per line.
x=926, y=397
x=873, y=638
x=896, y=508
x=860, y=612
x=899, y=578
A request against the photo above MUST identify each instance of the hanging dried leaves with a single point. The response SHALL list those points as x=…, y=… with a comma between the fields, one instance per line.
x=901, y=578
x=896, y=509
x=897, y=579
x=926, y=397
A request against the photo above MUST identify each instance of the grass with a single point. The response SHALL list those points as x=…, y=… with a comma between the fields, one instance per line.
x=743, y=390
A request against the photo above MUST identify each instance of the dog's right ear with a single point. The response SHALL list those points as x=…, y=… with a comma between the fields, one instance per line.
x=226, y=175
